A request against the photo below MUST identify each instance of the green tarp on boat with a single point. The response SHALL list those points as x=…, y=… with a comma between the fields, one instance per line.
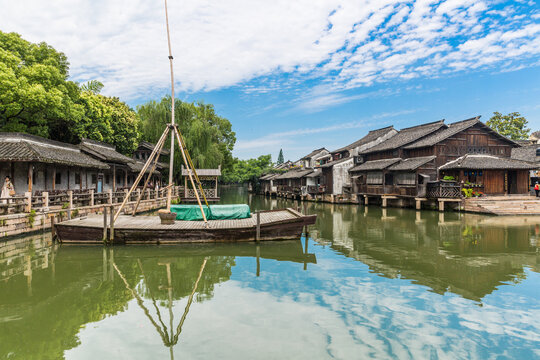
x=212, y=212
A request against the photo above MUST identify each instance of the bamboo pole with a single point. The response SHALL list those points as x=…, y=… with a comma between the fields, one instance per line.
x=136, y=182
x=190, y=300
x=181, y=138
x=171, y=160
x=139, y=197
x=189, y=173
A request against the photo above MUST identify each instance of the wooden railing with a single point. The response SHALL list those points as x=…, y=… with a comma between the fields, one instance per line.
x=72, y=199
x=316, y=189
x=443, y=189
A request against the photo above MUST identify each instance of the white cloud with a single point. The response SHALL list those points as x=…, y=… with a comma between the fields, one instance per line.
x=346, y=43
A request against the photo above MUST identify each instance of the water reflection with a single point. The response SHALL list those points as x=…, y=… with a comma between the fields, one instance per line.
x=370, y=282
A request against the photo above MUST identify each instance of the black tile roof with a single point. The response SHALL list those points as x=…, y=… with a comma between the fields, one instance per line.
x=295, y=174
x=406, y=136
x=454, y=129
x=149, y=146
x=104, y=151
x=137, y=166
x=313, y=153
x=486, y=162
x=25, y=147
x=371, y=136
x=411, y=163
x=526, y=153
x=332, y=163
x=375, y=165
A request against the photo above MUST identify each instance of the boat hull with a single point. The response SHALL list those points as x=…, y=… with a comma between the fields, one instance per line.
x=146, y=231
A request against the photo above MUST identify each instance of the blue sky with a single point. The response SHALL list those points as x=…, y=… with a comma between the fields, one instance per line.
x=304, y=74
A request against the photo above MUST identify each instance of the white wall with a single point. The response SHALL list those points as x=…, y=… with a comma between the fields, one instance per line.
x=341, y=176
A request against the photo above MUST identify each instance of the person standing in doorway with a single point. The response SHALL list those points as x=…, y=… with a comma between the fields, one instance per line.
x=536, y=188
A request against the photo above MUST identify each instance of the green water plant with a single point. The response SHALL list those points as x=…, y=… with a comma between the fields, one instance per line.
x=31, y=218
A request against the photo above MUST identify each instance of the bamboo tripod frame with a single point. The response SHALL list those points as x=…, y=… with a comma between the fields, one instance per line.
x=154, y=156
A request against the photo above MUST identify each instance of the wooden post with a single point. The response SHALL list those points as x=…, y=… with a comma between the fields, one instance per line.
x=110, y=196
x=441, y=205
x=258, y=234
x=91, y=197
x=111, y=225
x=28, y=201
x=114, y=177
x=104, y=223
x=148, y=197
x=30, y=176
x=366, y=200
x=53, y=227
x=418, y=205
x=384, y=201
x=125, y=178
x=45, y=195
x=70, y=203
x=258, y=255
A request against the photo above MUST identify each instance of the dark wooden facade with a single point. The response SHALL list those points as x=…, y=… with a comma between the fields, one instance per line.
x=446, y=144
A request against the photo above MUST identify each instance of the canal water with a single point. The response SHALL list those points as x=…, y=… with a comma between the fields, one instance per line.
x=367, y=283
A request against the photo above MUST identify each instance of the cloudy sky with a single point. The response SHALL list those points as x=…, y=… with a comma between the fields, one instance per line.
x=303, y=74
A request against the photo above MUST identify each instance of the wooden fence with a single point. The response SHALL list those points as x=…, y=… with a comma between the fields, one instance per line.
x=72, y=199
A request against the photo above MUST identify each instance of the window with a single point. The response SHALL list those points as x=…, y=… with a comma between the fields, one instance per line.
x=58, y=179
x=118, y=179
x=94, y=179
x=107, y=179
x=406, y=178
x=375, y=178
x=77, y=178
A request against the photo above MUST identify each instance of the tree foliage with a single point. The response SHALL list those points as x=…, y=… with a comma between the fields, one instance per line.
x=513, y=125
x=281, y=158
x=209, y=137
x=249, y=170
x=36, y=97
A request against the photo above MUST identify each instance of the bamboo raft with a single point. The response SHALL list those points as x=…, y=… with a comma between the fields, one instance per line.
x=272, y=225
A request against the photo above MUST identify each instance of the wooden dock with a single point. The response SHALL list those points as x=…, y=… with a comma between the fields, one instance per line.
x=504, y=205
x=275, y=224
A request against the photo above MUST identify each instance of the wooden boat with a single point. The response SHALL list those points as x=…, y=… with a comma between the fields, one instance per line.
x=274, y=225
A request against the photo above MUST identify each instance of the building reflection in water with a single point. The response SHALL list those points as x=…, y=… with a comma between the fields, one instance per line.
x=469, y=255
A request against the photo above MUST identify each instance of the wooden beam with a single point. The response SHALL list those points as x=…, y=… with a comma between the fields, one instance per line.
x=30, y=176
x=54, y=178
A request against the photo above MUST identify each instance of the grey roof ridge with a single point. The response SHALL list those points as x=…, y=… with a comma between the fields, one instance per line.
x=98, y=143
x=29, y=138
x=425, y=124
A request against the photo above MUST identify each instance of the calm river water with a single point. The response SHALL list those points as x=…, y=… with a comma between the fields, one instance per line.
x=367, y=283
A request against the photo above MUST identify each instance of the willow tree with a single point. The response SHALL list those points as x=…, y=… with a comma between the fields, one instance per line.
x=209, y=137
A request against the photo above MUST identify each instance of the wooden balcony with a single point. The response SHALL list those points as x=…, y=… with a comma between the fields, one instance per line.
x=443, y=189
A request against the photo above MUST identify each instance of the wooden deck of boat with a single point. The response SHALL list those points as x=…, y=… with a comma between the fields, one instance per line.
x=154, y=223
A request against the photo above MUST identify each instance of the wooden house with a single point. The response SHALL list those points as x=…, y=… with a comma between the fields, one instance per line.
x=434, y=145
x=38, y=164
x=209, y=181
x=490, y=174
x=121, y=175
x=267, y=186
x=311, y=159
x=292, y=182
x=335, y=173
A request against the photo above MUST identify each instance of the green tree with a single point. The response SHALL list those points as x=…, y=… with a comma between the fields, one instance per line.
x=37, y=98
x=513, y=125
x=249, y=170
x=209, y=137
x=280, y=158
x=35, y=94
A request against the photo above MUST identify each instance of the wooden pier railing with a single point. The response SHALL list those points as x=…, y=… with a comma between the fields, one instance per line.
x=73, y=199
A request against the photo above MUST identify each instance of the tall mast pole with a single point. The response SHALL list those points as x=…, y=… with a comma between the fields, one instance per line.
x=171, y=161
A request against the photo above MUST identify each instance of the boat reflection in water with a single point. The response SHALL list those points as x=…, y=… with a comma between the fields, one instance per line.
x=49, y=292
